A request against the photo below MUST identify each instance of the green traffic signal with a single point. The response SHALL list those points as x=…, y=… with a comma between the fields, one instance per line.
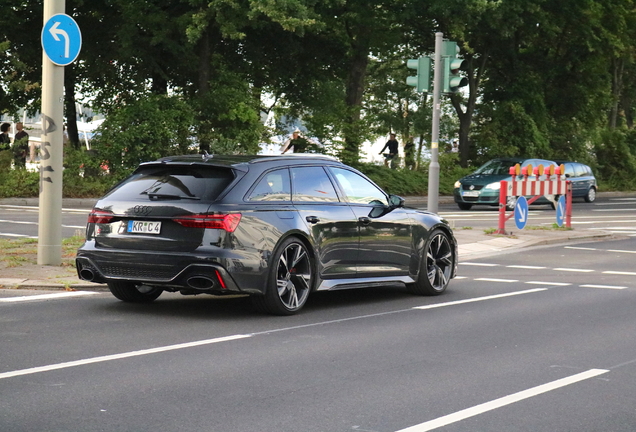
x=421, y=81
x=452, y=80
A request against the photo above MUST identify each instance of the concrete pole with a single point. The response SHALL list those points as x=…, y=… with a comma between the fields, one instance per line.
x=433, y=169
x=51, y=148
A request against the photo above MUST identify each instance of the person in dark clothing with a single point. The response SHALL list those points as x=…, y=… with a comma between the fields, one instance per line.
x=5, y=141
x=392, y=156
x=20, y=146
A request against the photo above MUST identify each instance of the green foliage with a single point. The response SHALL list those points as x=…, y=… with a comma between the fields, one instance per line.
x=150, y=128
x=19, y=183
x=616, y=164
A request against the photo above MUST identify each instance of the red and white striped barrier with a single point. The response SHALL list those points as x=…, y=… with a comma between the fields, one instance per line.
x=535, y=182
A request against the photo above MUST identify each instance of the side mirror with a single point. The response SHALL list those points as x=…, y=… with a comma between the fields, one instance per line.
x=396, y=201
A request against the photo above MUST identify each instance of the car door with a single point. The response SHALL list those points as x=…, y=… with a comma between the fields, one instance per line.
x=332, y=223
x=385, y=232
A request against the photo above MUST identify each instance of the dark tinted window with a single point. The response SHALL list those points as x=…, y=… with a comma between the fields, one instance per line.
x=174, y=182
x=273, y=186
x=312, y=184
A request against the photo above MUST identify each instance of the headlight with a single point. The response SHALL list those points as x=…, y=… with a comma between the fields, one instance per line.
x=458, y=184
x=494, y=186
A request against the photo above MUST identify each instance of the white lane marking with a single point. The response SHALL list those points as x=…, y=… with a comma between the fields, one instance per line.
x=526, y=267
x=501, y=402
x=460, y=277
x=609, y=210
x=495, y=280
x=580, y=248
x=478, y=299
x=46, y=296
x=105, y=358
x=548, y=283
x=120, y=356
x=479, y=264
x=621, y=251
x=36, y=208
x=36, y=223
x=624, y=273
x=604, y=287
x=17, y=235
x=573, y=270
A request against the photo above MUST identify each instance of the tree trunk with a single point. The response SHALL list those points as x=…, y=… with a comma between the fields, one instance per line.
x=70, y=107
x=355, y=91
x=205, y=56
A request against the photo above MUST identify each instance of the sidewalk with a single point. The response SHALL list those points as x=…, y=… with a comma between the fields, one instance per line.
x=473, y=243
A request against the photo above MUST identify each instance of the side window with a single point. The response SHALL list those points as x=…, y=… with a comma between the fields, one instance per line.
x=569, y=169
x=273, y=186
x=358, y=189
x=579, y=170
x=312, y=184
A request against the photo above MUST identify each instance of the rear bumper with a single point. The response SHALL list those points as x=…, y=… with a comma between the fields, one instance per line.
x=173, y=272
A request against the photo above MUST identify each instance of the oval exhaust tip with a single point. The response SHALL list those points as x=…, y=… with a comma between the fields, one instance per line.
x=200, y=282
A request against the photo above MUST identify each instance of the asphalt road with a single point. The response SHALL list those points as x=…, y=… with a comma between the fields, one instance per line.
x=538, y=340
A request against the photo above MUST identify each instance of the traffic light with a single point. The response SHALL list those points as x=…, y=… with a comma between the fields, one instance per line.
x=452, y=80
x=421, y=81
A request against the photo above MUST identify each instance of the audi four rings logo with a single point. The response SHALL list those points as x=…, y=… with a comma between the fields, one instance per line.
x=141, y=210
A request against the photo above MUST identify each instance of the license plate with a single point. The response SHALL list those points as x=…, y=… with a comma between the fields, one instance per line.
x=470, y=193
x=144, y=227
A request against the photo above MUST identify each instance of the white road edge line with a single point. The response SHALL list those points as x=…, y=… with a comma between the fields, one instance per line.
x=501, y=402
x=477, y=299
x=46, y=296
x=573, y=270
x=496, y=280
x=479, y=264
x=119, y=356
x=604, y=287
x=548, y=283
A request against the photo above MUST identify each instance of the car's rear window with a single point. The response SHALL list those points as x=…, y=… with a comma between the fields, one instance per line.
x=174, y=182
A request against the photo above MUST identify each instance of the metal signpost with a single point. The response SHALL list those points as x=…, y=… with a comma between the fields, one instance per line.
x=61, y=43
x=433, y=169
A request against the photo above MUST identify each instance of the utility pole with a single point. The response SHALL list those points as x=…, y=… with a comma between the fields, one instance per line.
x=51, y=148
x=433, y=170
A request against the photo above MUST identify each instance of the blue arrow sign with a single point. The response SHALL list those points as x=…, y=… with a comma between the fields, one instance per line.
x=521, y=212
x=560, y=210
x=61, y=39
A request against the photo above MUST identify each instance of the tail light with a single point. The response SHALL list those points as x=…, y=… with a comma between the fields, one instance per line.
x=227, y=222
x=99, y=216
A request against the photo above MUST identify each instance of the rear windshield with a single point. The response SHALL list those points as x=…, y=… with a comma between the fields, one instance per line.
x=174, y=182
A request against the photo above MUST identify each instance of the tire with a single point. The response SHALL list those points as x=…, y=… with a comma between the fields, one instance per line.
x=290, y=279
x=511, y=202
x=463, y=206
x=438, y=263
x=591, y=195
x=133, y=293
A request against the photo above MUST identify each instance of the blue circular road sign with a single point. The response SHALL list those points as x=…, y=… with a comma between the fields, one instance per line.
x=61, y=39
x=521, y=212
x=560, y=210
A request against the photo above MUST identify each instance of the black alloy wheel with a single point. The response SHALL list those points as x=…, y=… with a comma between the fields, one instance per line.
x=438, y=263
x=290, y=280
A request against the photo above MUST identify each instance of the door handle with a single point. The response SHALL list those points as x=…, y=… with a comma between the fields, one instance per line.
x=312, y=219
x=364, y=220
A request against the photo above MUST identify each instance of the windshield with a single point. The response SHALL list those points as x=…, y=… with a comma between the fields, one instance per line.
x=495, y=167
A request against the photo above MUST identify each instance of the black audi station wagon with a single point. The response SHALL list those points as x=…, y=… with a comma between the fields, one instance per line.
x=274, y=227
